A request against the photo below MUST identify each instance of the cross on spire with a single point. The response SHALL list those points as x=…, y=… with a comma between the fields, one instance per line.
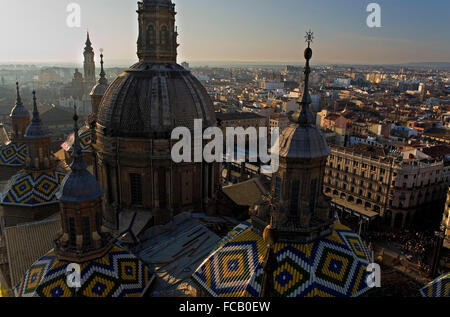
x=309, y=37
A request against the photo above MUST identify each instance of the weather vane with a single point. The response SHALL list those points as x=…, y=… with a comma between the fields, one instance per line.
x=309, y=37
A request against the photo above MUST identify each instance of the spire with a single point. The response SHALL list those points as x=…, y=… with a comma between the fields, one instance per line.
x=18, y=100
x=36, y=129
x=19, y=111
x=102, y=79
x=36, y=116
x=304, y=116
x=88, y=40
x=79, y=185
x=78, y=162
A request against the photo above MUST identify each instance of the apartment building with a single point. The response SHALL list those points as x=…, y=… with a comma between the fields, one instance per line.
x=367, y=181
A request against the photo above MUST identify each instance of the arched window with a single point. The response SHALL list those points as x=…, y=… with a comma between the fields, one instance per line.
x=136, y=189
x=277, y=188
x=313, y=195
x=295, y=189
x=72, y=231
x=151, y=36
x=164, y=39
x=86, y=231
x=162, y=187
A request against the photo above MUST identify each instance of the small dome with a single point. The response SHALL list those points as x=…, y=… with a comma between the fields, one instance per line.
x=79, y=186
x=303, y=142
x=19, y=111
x=152, y=99
x=99, y=89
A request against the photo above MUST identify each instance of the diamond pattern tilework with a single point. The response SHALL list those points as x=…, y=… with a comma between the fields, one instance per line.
x=85, y=134
x=116, y=274
x=13, y=154
x=334, y=266
x=32, y=188
x=440, y=287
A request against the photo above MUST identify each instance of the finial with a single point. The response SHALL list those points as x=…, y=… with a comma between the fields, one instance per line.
x=19, y=99
x=88, y=40
x=102, y=79
x=35, y=108
x=304, y=116
x=77, y=154
x=309, y=37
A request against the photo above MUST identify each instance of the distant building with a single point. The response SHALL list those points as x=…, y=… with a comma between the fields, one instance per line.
x=272, y=84
x=185, y=65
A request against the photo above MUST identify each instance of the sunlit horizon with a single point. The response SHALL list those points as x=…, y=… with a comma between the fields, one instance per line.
x=232, y=31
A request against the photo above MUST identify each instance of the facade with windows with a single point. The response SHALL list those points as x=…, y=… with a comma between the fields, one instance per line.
x=369, y=180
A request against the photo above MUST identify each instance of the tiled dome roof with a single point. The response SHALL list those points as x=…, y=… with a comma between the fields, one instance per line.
x=333, y=266
x=116, y=274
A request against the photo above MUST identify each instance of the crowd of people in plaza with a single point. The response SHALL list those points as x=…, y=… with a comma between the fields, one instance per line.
x=416, y=246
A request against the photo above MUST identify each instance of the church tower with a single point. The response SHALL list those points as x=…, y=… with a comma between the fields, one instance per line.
x=297, y=208
x=106, y=270
x=38, y=139
x=20, y=118
x=89, y=64
x=81, y=201
x=292, y=246
x=157, y=32
x=135, y=120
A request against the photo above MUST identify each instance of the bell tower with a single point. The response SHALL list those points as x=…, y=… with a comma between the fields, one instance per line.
x=89, y=64
x=157, y=40
x=296, y=208
x=83, y=236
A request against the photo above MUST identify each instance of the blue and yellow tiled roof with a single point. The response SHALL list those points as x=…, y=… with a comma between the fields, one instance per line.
x=440, y=287
x=13, y=154
x=334, y=266
x=117, y=274
x=27, y=188
x=85, y=134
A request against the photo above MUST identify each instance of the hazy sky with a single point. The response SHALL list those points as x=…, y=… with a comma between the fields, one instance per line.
x=233, y=30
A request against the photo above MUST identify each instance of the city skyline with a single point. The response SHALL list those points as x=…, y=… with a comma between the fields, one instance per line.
x=235, y=31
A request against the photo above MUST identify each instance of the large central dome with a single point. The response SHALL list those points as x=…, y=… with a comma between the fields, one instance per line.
x=152, y=98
